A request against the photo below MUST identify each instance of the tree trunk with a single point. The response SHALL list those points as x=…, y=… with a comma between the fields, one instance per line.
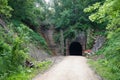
x=2, y=23
x=62, y=42
x=67, y=47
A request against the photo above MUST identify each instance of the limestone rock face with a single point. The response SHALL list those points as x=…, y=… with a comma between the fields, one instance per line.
x=99, y=41
x=82, y=39
x=2, y=23
x=37, y=54
x=48, y=35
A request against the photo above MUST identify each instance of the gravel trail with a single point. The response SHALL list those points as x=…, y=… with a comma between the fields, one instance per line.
x=70, y=68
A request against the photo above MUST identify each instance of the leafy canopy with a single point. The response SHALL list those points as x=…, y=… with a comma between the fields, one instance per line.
x=109, y=11
x=5, y=9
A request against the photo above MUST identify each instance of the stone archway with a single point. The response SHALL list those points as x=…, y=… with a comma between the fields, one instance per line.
x=75, y=48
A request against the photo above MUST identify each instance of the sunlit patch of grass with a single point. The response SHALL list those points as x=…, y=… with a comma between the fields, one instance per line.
x=29, y=73
x=102, y=70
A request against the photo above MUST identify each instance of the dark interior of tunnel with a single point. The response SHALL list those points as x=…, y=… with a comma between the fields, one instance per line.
x=75, y=48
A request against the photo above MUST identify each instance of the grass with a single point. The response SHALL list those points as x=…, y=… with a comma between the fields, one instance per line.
x=109, y=66
x=29, y=73
x=104, y=71
x=101, y=70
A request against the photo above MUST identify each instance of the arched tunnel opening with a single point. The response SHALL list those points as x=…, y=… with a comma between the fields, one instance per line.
x=75, y=48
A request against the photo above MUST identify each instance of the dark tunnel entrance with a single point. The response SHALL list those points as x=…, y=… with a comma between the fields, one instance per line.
x=75, y=48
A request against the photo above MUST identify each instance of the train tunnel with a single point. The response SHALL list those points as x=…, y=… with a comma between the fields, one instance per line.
x=75, y=48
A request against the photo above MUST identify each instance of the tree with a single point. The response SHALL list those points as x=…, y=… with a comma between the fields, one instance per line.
x=5, y=9
x=108, y=11
x=70, y=17
x=25, y=11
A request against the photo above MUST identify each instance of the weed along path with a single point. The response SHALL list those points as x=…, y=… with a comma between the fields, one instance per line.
x=70, y=68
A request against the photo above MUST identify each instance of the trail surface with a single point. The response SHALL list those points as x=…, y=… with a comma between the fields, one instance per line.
x=70, y=68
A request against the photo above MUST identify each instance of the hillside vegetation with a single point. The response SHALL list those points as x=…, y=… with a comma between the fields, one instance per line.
x=109, y=12
x=15, y=38
x=24, y=22
x=109, y=66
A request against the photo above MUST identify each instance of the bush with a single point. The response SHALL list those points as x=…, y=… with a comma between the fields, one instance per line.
x=28, y=74
x=13, y=52
x=33, y=37
x=110, y=64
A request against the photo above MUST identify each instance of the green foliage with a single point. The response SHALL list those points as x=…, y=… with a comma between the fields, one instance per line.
x=90, y=43
x=13, y=50
x=109, y=11
x=14, y=43
x=70, y=17
x=22, y=8
x=70, y=33
x=44, y=65
x=28, y=74
x=110, y=64
x=106, y=75
x=93, y=7
x=30, y=35
x=26, y=11
x=5, y=9
x=12, y=53
x=38, y=39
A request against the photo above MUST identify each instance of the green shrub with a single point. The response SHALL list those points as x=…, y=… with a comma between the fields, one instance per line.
x=13, y=52
x=28, y=74
x=109, y=67
x=32, y=36
x=38, y=39
x=44, y=65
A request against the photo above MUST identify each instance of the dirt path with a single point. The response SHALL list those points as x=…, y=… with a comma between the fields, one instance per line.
x=71, y=68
